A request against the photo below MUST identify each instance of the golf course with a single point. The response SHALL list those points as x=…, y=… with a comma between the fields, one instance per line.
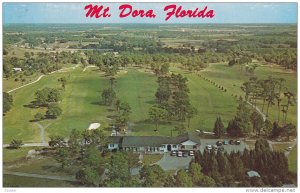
x=81, y=102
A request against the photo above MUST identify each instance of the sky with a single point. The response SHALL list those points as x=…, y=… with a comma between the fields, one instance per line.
x=224, y=13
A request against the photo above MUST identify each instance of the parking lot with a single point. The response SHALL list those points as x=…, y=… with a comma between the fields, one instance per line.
x=228, y=148
x=169, y=162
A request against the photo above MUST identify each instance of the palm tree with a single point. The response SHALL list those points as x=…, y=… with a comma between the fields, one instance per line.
x=280, y=83
x=291, y=99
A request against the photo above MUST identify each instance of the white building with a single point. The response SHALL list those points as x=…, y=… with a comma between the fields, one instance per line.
x=155, y=144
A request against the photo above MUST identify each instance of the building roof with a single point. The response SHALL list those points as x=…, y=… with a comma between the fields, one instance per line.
x=253, y=173
x=156, y=141
x=115, y=139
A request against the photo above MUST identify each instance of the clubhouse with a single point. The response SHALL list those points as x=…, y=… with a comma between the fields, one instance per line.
x=154, y=144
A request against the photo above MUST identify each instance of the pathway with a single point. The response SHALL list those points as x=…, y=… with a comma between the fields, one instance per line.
x=42, y=131
x=91, y=66
x=258, y=110
x=30, y=145
x=64, y=178
x=40, y=77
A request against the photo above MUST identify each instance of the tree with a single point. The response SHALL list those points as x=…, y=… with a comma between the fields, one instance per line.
x=157, y=114
x=63, y=82
x=5, y=52
x=290, y=130
x=180, y=129
x=118, y=169
x=47, y=95
x=219, y=127
x=7, y=102
x=74, y=142
x=223, y=164
x=56, y=141
x=15, y=144
x=268, y=127
x=112, y=81
x=262, y=145
x=182, y=179
x=92, y=158
x=64, y=157
x=276, y=131
x=88, y=176
x=53, y=111
x=195, y=173
x=191, y=112
x=152, y=175
x=38, y=116
x=118, y=104
x=108, y=96
x=257, y=122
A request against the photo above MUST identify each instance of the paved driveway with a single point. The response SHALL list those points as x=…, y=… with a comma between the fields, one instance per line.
x=228, y=148
x=169, y=162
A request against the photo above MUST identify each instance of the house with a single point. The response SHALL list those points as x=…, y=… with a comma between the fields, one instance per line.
x=114, y=142
x=155, y=144
x=253, y=173
x=17, y=69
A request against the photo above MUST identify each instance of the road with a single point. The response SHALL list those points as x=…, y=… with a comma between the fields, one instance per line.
x=64, y=178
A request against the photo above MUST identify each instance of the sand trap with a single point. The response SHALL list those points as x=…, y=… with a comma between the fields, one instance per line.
x=94, y=126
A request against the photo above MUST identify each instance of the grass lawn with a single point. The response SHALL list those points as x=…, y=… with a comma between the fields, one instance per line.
x=281, y=147
x=11, y=155
x=151, y=159
x=292, y=158
x=20, y=181
x=232, y=78
x=44, y=166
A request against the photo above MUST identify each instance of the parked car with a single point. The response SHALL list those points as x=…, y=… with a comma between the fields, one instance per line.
x=238, y=142
x=208, y=147
x=231, y=142
x=219, y=143
x=191, y=153
x=173, y=153
x=225, y=142
x=179, y=154
x=185, y=154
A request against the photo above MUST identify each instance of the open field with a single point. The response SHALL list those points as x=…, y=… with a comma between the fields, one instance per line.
x=20, y=181
x=292, y=158
x=12, y=155
x=232, y=78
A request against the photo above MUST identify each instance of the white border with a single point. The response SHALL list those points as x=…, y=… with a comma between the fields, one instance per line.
x=139, y=190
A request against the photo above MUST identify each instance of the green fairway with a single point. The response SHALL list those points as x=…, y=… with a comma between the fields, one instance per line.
x=232, y=78
x=210, y=102
x=82, y=96
x=80, y=106
x=292, y=158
